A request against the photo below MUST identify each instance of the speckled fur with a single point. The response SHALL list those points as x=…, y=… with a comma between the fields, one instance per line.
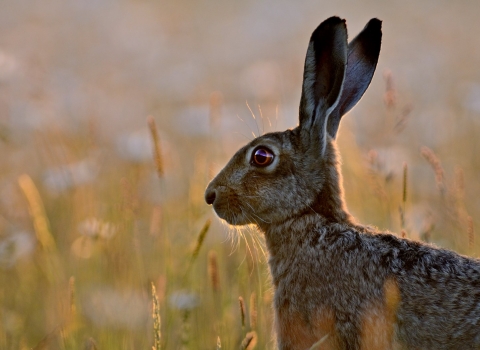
x=364, y=289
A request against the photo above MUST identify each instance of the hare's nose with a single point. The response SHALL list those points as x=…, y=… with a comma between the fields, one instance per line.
x=210, y=195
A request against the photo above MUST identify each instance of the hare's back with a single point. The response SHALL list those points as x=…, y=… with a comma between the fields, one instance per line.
x=439, y=294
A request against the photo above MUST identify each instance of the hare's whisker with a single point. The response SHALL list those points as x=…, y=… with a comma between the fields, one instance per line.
x=254, y=118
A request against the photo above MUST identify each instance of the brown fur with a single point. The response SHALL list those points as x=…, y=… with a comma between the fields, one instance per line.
x=378, y=321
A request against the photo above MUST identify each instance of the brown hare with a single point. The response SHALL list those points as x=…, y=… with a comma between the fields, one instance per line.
x=337, y=283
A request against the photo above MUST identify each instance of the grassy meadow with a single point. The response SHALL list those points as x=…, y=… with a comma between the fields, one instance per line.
x=115, y=115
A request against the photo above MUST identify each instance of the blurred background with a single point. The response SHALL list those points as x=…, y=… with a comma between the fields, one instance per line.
x=93, y=211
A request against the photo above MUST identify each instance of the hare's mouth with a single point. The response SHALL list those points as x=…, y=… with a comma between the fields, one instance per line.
x=233, y=218
x=232, y=213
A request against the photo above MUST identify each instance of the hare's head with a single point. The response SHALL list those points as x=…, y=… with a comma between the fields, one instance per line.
x=281, y=175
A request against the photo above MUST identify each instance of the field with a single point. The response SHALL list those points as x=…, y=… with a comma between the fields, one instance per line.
x=114, y=116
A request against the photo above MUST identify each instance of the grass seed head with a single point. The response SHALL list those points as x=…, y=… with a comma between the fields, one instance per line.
x=157, y=151
x=157, y=322
x=250, y=341
x=436, y=165
x=241, y=303
x=213, y=270
x=253, y=311
x=470, y=232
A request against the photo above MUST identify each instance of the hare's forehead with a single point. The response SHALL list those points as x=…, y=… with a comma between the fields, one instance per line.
x=278, y=143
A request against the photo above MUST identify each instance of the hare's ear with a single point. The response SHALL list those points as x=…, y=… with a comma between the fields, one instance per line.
x=323, y=78
x=362, y=60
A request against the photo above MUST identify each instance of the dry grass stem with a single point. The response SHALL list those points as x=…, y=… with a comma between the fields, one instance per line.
x=405, y=170
x=157, y=151
x=157, y=323
x=253, y=311
x=200, y=239
x=404, y=197
x=213, y=270
x=250, y=341
x=470, y=232
x=72, y=297
x=402, y=119
x=242, y=310
x=436, y=165
x=37, y=211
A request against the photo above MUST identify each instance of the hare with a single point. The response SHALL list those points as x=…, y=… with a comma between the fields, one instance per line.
x=338, y=284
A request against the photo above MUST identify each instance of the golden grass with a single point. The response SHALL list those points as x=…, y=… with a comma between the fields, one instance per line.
x=157, y=323
x=37, y=211
x=157, y=151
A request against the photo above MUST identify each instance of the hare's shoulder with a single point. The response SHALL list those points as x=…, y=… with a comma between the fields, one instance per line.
x=417, y=261
x=399, y=255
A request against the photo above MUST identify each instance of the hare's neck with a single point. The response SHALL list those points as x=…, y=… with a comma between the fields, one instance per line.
x=292, y=241
x=329, y=202
x=285, y=239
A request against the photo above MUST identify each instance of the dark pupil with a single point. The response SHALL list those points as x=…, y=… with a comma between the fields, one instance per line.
x=262, y=157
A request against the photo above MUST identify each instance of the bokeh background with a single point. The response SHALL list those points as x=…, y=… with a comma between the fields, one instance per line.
x=90, y=218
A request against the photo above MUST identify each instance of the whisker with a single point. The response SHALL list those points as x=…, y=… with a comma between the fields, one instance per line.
x=260, y=243
x=253, y=231
x=261, y=117
x=259, y=247
x=253, y=213
x=253, y=133
x=254, y=118
x=257, y=244
x=241, y=133
x=246, y=244
x=269, y=122
x=234, y=246
x=235, y=239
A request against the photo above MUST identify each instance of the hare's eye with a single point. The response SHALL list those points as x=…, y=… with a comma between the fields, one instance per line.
x=262, y=157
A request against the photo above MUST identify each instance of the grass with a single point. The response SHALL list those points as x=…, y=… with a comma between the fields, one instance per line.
x=103, y=255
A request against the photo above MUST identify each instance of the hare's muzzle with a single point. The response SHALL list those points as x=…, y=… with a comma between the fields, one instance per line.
x=210, y=195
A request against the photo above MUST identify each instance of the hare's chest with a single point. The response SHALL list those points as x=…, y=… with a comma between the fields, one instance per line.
x=313, y=277
x=303, y=283
x=343, y=316
x=325, y=288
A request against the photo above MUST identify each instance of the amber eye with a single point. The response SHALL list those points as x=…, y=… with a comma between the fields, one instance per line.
x=262, y=157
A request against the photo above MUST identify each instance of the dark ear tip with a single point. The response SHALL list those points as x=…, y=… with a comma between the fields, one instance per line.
x=374, y=25
x=333, y=20
x=327, y=25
